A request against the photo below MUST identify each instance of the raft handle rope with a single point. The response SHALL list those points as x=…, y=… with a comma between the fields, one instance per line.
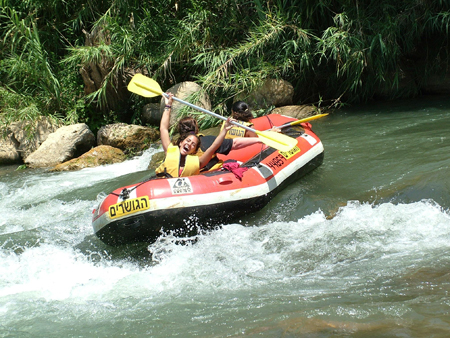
x=270, y=121
x=125, y=193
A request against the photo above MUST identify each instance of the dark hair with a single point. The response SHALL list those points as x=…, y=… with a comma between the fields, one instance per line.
x=186, y=125
x=184, y=136
x=241, y=111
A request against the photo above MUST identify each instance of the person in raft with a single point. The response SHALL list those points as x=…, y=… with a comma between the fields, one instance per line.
x=188, y=125
x=181, y=159
x=240, y=111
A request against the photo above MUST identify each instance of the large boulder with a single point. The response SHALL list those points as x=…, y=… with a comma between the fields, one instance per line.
x=95, y=157
x=127, y=136
x=298, y=112
x=62, y=145
x=9, y=150
x=186, y=91
x=30, y=135
x=272, y=92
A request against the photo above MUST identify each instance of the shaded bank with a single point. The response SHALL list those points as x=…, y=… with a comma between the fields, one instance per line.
x=331, y=51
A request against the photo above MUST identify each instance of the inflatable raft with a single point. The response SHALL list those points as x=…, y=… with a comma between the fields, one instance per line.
x=141, y=212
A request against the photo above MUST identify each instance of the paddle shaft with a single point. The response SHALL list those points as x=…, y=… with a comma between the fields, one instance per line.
x=211, y=113
x=147, y=87
x=154, y=87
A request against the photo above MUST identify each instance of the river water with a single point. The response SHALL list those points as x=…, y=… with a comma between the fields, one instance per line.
x=358, y=248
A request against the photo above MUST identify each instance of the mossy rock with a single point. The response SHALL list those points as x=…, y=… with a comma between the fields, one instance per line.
x=95, y=157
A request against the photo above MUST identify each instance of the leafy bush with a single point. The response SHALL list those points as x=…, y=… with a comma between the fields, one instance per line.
x=332, y=51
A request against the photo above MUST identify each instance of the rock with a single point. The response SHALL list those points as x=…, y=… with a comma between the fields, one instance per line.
x=127, y=136
x=182, y=91
x=156, y=160
x=298, y=112
x=9, y=150
x=272, y=92
x=62, y=145
x=29, y=143
x=95, y=157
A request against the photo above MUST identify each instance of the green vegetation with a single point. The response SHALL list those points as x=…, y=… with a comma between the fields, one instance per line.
x=71, y=59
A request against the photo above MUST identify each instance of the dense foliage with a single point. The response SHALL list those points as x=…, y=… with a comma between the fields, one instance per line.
x=332, y=51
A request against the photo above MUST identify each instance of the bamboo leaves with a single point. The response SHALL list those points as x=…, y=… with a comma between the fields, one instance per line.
x=328, y=50
x=28, y=56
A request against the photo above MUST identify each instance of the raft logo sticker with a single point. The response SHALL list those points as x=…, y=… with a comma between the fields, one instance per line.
x=180, y=185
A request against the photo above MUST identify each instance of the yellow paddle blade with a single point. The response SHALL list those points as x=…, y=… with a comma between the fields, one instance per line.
x=144, y=86
x=306, y=119
x=276, y=140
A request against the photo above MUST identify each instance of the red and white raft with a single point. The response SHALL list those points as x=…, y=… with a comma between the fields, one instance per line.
x=139, y=212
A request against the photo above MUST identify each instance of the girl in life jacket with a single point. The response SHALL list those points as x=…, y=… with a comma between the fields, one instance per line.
x=189, y=125
x=240, y=111
x=181, y=160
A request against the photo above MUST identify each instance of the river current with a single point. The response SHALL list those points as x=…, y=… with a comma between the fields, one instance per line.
x=357, y=248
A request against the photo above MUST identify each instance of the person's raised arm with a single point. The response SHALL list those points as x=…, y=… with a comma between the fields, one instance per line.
x=242, y=142
x=208, y=154
x=249, y=133
x=165, y=122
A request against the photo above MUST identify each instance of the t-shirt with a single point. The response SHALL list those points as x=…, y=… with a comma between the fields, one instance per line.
x=224, y=148
x=208, y=140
